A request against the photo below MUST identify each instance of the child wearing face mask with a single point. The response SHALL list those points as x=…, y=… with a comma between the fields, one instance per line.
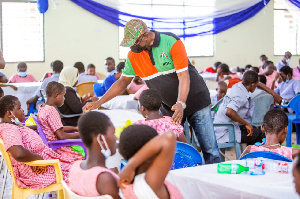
x=289, y=87
x=25, y=145
x=49, y=119
x=22, y=75
x=149, y=104
x=90, y=177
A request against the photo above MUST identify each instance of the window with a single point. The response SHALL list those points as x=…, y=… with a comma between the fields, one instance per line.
x=22, y=32
x=286, y=30
x=195, y=46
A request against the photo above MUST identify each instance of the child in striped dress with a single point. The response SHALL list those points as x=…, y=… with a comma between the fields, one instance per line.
x=149, y=159
x=90, y=178
x=50, y=121
x=149, y=104
x=24, y=145
x=275, y=127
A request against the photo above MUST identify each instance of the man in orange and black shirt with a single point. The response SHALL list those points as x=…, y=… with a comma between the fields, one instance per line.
x=160, y=59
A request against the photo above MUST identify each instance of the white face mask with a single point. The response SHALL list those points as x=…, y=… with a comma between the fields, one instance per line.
x=288, y=60
x=15, y=120
x=106, y=153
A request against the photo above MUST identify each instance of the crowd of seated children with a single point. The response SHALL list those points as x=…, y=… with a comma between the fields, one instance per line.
x=275, y=127
x=149, y=159
x=269, y=71
x=91, y=70
x=50, y=120
x=234, y=108
x=149, y=103
x=90, y=177
x=213, y=68
x=289, y=87
x=72, y=104
x=82, y=76
x=135, y=85
x=22, y=75
x=101, y=88
x=24, y=145
x=56, y=66
x=222, y=90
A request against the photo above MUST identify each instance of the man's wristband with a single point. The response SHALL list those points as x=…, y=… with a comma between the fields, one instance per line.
x=182, y=104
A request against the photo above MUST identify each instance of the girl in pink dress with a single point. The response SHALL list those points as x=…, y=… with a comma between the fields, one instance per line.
x=50, y=121
x=149, y=159
x=90, y=178
x=149, y=104
x=24, y=145
x=275, y=127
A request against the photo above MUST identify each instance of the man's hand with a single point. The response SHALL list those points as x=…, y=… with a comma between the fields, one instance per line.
x=90, y=106
x=178, y=114
x=277, y=98
x=249, y=129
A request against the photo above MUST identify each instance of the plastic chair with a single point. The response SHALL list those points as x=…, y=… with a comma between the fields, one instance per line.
x=67, y=116
x=262, y=104
x=43, y=94
x=69, y=194
x=85, y=88
x=266, y=154
x=58, y=143
x=294, y=104
x=20, y=193
x=186, y=156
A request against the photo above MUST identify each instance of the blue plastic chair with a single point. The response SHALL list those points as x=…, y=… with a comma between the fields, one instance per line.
x=262, y=104
x=186, y=156
x=294, y=104
x=266, y=154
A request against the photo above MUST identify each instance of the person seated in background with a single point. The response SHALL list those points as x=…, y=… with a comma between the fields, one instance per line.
x=296, y=173
x=72, y=104
x=149, y=103
x=296, y=72
x=255, y=69
x=222, y=90
x=90, y=177
x=135, y=85
x=149, y=159
x=101, y=88
x=91, y=70
x=83, y=77
x=138, y=93
x=50, y=121
x=289, y=87
x=233, y=109
x=263, y=59
x=285, y=61
x=269, y=71
x=48, y=74
x=25, y=145
x=3, y=78
x=275, y=127
x=22, y=75
x=213, y=68
x=57, y=66
x=247, y=67
x=2, y=61
x=110, y=66
x=223, y=70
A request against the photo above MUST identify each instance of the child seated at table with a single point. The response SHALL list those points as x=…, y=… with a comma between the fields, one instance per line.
x=22, y=75
x=149, y=159
x=296, y=173
x=289, y=87
x=222, y=90
x=90, y=177
x=222, y=70
x=269, y=71
x=275, y=127
x=149, y=104
x=25, y=145
x=49, y=119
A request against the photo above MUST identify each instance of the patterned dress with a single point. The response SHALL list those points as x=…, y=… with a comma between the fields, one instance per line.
x=13, y=135
x=162, y=125
x=285, y=151
x=83, y=182
x=50, y=121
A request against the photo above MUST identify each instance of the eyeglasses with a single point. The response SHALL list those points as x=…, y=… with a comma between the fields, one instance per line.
x=138, y=41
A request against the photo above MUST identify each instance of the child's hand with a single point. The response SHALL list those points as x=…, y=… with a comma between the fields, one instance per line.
x=40, y=169
x=126, y=176
x=14, y=87
x=249, y=129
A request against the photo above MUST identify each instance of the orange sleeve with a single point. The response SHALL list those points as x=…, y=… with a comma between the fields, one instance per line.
x=179, y=55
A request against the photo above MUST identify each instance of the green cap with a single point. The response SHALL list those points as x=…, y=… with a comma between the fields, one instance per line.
x=132, y=31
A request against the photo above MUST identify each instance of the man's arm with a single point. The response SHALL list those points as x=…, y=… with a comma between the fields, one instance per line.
x=277, y=97
x=119, y=86
x=2, y=61
x=183, y=91
x=235, y=117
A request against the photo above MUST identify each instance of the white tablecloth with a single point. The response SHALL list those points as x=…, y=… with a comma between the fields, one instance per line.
x=24, y=92
x=205, y=182
x=209, y=76
x=122, y=102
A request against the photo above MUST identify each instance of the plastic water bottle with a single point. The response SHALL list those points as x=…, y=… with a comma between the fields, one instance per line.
x=231, y=168
x=256, y=166
x=277, y=167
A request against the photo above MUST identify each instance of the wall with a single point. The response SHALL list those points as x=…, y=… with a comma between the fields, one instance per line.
x=73, y=34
